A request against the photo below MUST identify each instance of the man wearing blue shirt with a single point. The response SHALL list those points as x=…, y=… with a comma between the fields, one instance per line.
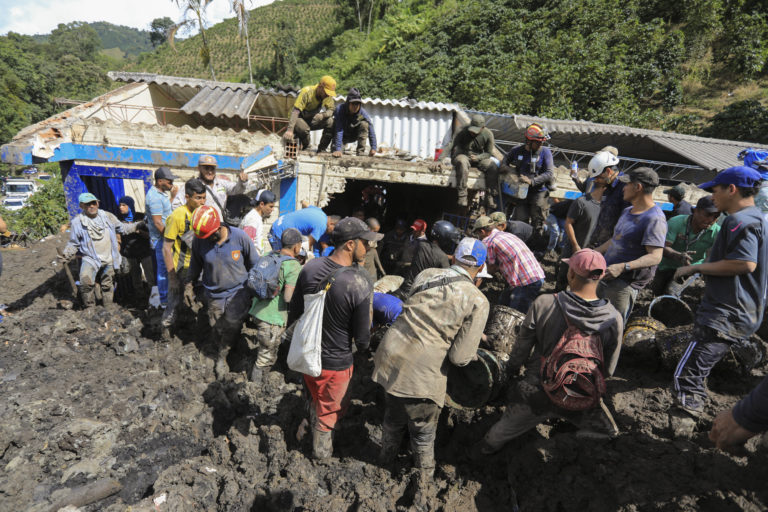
x=736, y=277
x=352, y=123
x=311, y=222
x=158, y=208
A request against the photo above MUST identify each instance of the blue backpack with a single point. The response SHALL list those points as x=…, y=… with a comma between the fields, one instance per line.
x=263, y=277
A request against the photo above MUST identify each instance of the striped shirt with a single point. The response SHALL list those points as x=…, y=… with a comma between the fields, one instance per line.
x=516, y=262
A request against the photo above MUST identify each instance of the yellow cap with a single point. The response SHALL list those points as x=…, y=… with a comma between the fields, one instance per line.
x=329, y=85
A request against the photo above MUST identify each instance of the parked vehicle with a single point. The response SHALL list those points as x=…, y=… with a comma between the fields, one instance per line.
x=13, y=203
x=20, y=188
x=45, y=177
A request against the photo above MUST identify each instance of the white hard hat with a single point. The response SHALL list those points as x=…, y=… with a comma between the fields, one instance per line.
x=600, y=161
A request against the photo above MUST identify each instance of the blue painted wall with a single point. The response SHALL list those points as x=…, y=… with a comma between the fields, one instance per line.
x=108, y=185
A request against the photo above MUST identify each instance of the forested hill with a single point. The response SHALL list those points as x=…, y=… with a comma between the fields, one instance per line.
x=116, y=40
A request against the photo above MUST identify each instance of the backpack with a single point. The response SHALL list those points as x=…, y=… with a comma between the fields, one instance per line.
x=572, y=375
x=264, y=276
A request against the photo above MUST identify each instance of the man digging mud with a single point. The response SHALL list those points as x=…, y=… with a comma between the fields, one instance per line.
x=411, y=362
x=736, y=277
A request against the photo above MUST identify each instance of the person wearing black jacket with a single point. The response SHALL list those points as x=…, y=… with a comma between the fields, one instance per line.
x=346, y=318
x=430, y=253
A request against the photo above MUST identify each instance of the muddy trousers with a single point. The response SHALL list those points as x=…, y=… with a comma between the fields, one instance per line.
x=703, y=353
x=90, y=276
x=419, y=417
x=534, y=207
x=302, y=128
x=620, y=294
x=357, y=134
x=461, y=165
x=267, y=338
x=175, y=302
x=227, y=314
x=531, y=406
x=330, y=397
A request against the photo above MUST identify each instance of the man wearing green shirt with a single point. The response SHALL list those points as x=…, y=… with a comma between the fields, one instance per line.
x=270, y=315
x=689, y=238
x=313, y=110
x=473, y=146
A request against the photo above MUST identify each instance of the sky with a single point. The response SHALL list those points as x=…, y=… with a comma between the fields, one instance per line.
x=41, y=16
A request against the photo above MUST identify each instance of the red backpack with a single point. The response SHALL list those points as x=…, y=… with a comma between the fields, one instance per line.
x=572, y=375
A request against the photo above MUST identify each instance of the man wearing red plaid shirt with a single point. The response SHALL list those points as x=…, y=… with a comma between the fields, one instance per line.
x=517, y=264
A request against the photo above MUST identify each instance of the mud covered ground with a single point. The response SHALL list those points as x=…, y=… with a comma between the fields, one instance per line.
x=93, y=405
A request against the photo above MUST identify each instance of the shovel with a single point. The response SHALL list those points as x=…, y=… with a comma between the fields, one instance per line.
x=65, y=263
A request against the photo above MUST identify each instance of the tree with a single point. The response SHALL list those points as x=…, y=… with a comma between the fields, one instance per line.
x=195, y=8
x=159, y=29
x=242, y=22
x=286, y=47
x=76, y=38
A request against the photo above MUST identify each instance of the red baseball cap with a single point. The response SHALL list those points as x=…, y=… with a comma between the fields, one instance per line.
x=419, y=225
x=587, y=263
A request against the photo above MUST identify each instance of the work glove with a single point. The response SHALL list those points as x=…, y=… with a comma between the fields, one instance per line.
x=435, y=167
x=318, y=118
x=174, y=284
x=189, y=295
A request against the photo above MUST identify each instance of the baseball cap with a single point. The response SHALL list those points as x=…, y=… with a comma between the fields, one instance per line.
x=419, y=225
x=351, y=228
x=587, y=263
x=740, y=176
x=477, y=123
x=642, y=175
x=471, y=251
x=484, y=273
x=677, y=191
x=290, y=237
x=353, y=96
x=400, y=223
x=86, y=197
x=482, y=222
x=498, y=217
x=164, y=173
x=328, y=84
x=207, y=160
x=707, y=204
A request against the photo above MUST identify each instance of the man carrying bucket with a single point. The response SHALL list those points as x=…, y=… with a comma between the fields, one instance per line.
x=414, y=374
x=540, y=333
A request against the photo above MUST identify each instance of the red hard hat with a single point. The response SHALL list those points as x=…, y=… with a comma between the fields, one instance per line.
x=205, y=221
x=536, y=132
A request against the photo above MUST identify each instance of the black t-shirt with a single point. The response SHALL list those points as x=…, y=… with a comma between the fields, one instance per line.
x=520, y=229
x=427, y=255
x=584, y=212
x=348, y=307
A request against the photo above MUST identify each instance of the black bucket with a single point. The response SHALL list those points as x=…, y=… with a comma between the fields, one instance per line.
x=741, y=358
x=671, y=311
x=502, y=328
x=477, y=383
x=640, y=337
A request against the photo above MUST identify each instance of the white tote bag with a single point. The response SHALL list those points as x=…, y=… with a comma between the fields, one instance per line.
x=304, y=354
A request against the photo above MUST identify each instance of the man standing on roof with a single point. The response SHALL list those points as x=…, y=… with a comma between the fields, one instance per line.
x=94, y=235
x=346, y=321
x=224, y=256
x=680, y=206
x=604, y=170
x=177, y=250
x=311, y=222
x=253, y=223
x=473, y=146
x=158, y=208
x=216, y=188
x=411, y=364
x=532, y=163
x=313, y=110
x=352, y=123
x=733, y=305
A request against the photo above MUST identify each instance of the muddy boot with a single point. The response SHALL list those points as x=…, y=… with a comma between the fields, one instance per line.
x=360, y=151
x=489, y=200
x=322, y=444
x=87, y=295
x=424, y=461
x=222, y=368
x=107, y=298
x=682, y=424
x=390, y=445
x=165, y=334
x=257, y=373
x=325, y=141
x=462, y=200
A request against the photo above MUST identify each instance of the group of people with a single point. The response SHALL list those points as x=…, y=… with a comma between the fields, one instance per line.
x=252, y=285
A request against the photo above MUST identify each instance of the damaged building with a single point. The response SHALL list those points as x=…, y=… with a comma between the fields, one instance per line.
x=112, y=144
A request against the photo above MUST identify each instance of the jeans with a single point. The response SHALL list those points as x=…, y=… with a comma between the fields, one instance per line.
x=274, y=241
x=521, y=297
x=556, y=230
x=161, y=273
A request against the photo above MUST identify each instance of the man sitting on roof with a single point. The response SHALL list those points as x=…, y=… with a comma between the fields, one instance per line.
x=352, y=123
x=473, y=146
x=313, y=110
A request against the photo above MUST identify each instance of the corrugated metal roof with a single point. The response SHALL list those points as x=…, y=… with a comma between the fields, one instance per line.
x=711, y=154
x=219, y=101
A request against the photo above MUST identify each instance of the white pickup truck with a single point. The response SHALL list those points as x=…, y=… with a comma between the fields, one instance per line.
x=20, y=188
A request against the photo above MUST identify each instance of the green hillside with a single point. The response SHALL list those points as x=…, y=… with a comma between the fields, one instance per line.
x=298, y=27
x=117, y=41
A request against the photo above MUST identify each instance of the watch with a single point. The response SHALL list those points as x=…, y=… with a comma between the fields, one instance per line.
x=627, y=268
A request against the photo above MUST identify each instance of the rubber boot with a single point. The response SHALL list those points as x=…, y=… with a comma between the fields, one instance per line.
x=222, y=368
x=424, y=460
x=107, y=298
x=390, y=444
x=88, y=295
x=322, y=444
x=360, y=150
x=462, y=200
x=325, y=141
x=489, y=200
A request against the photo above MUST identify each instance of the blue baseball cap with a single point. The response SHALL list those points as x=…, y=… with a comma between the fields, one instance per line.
x=86, y=197
x=740, y=176
x=471, y=252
